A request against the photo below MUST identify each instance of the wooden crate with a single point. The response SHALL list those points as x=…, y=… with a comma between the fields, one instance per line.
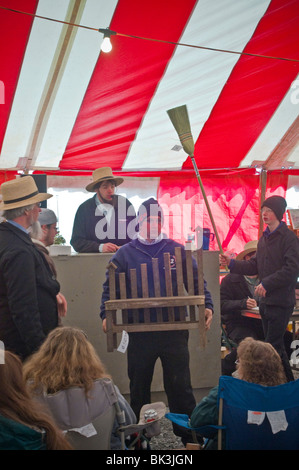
x=185, y=298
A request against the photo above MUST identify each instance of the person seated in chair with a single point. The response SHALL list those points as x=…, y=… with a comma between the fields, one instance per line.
x=66, y=360
x=258, y=362
x=24, y=424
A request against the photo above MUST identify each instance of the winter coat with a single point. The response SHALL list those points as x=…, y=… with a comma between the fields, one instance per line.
x=18, y=436
x=136, y=253
x=234, y=292
x=90, y=228
x=28, y=305
x=74, y=410
x=277, y=264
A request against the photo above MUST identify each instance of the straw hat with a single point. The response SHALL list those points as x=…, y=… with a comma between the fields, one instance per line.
x=248, y=248
x=102, y=174
x=20, y=192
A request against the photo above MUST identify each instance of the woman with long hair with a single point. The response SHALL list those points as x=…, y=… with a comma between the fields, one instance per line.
x=65, y=360
x=24, y=423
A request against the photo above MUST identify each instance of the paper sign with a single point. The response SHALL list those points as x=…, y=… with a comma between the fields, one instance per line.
x=255, y=417
x=277, y=420
x=124, y=342
x=87, y=431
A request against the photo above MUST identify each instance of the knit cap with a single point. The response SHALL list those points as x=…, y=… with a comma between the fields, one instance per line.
x=278, y=205
x=150, y=207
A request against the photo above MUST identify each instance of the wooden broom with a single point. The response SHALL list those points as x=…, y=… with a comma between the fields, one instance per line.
x=180, y=120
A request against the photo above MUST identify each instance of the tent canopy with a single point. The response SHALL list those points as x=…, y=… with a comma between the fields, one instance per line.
x=69, y=106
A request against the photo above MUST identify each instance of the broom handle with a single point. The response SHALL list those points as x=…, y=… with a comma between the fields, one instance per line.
x=207, y=204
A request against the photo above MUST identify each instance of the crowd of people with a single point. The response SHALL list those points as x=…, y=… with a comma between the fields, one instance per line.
x=44, y=360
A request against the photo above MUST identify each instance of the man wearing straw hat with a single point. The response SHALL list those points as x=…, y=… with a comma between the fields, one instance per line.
x=28, y=304
x=105, y=221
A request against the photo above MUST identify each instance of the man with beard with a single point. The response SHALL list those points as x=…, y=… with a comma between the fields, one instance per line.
x=105, y=221
x=28, y=304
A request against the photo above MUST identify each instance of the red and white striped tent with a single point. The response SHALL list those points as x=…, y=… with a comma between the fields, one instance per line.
x=67, y=108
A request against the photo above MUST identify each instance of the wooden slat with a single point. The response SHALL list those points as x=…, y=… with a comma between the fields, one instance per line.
x=155, y=302
x=112, y=293
x=134, y=293
x=165, y=326
x=190, y=280
x=144, y=284
x=168, y=284
x=156, y=277
x=123, y=295
x=180, y=278
x=200, y=272
x=111, y=274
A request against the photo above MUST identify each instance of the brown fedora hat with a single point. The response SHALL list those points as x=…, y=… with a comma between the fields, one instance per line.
x=102, y=174
x=248, y=248
x=20, y=192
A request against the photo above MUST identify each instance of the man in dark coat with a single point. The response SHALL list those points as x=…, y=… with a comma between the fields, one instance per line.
x=28, y=304
x=277, y=265
x=106, y=221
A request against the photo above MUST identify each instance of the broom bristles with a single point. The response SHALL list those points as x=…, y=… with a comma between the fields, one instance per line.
x=180, y=120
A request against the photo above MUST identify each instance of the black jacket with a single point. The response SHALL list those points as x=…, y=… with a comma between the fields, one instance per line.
x=277, y=264
x=234, y=292
x=90, y=226
x=28, y=305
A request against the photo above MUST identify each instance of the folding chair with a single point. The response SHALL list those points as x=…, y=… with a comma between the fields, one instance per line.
x=206, y=433
x=256, y=417
x=252, y=417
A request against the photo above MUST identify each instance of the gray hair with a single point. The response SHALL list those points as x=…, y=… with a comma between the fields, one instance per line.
x=11, y=214
x=35, y=231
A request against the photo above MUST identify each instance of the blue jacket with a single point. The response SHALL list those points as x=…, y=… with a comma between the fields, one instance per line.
x=135, y=253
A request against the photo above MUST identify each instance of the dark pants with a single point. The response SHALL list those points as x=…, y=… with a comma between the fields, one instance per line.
x=275, y=320
x=172, y=348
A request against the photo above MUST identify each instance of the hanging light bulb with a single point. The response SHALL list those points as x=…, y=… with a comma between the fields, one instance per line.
x=106, y=45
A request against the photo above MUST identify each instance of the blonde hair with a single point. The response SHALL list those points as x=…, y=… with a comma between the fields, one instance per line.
x=260, y=363
x=18, y=405
x=65, y=359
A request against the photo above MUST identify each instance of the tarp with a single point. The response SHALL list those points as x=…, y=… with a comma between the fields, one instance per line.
x=68, y=108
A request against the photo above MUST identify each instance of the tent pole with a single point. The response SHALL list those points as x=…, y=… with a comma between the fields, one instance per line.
x=263, y=186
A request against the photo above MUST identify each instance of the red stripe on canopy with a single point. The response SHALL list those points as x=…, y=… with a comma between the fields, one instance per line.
x=14, y=33
x=254, y=90
x=120, y=90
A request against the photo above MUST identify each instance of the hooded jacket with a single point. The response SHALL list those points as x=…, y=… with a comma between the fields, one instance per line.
x=136, y=253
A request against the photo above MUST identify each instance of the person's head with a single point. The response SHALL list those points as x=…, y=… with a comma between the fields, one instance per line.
x=21, y=200
x=48, y=222
x=150, y=219
x=249, y=250
x=17, y=404
x=273, y=209
x=260, y=363
x=65, y=359
x=104, y=183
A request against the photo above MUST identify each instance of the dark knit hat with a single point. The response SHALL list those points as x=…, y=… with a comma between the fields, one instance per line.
x=150, y=207
x=278, y=205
